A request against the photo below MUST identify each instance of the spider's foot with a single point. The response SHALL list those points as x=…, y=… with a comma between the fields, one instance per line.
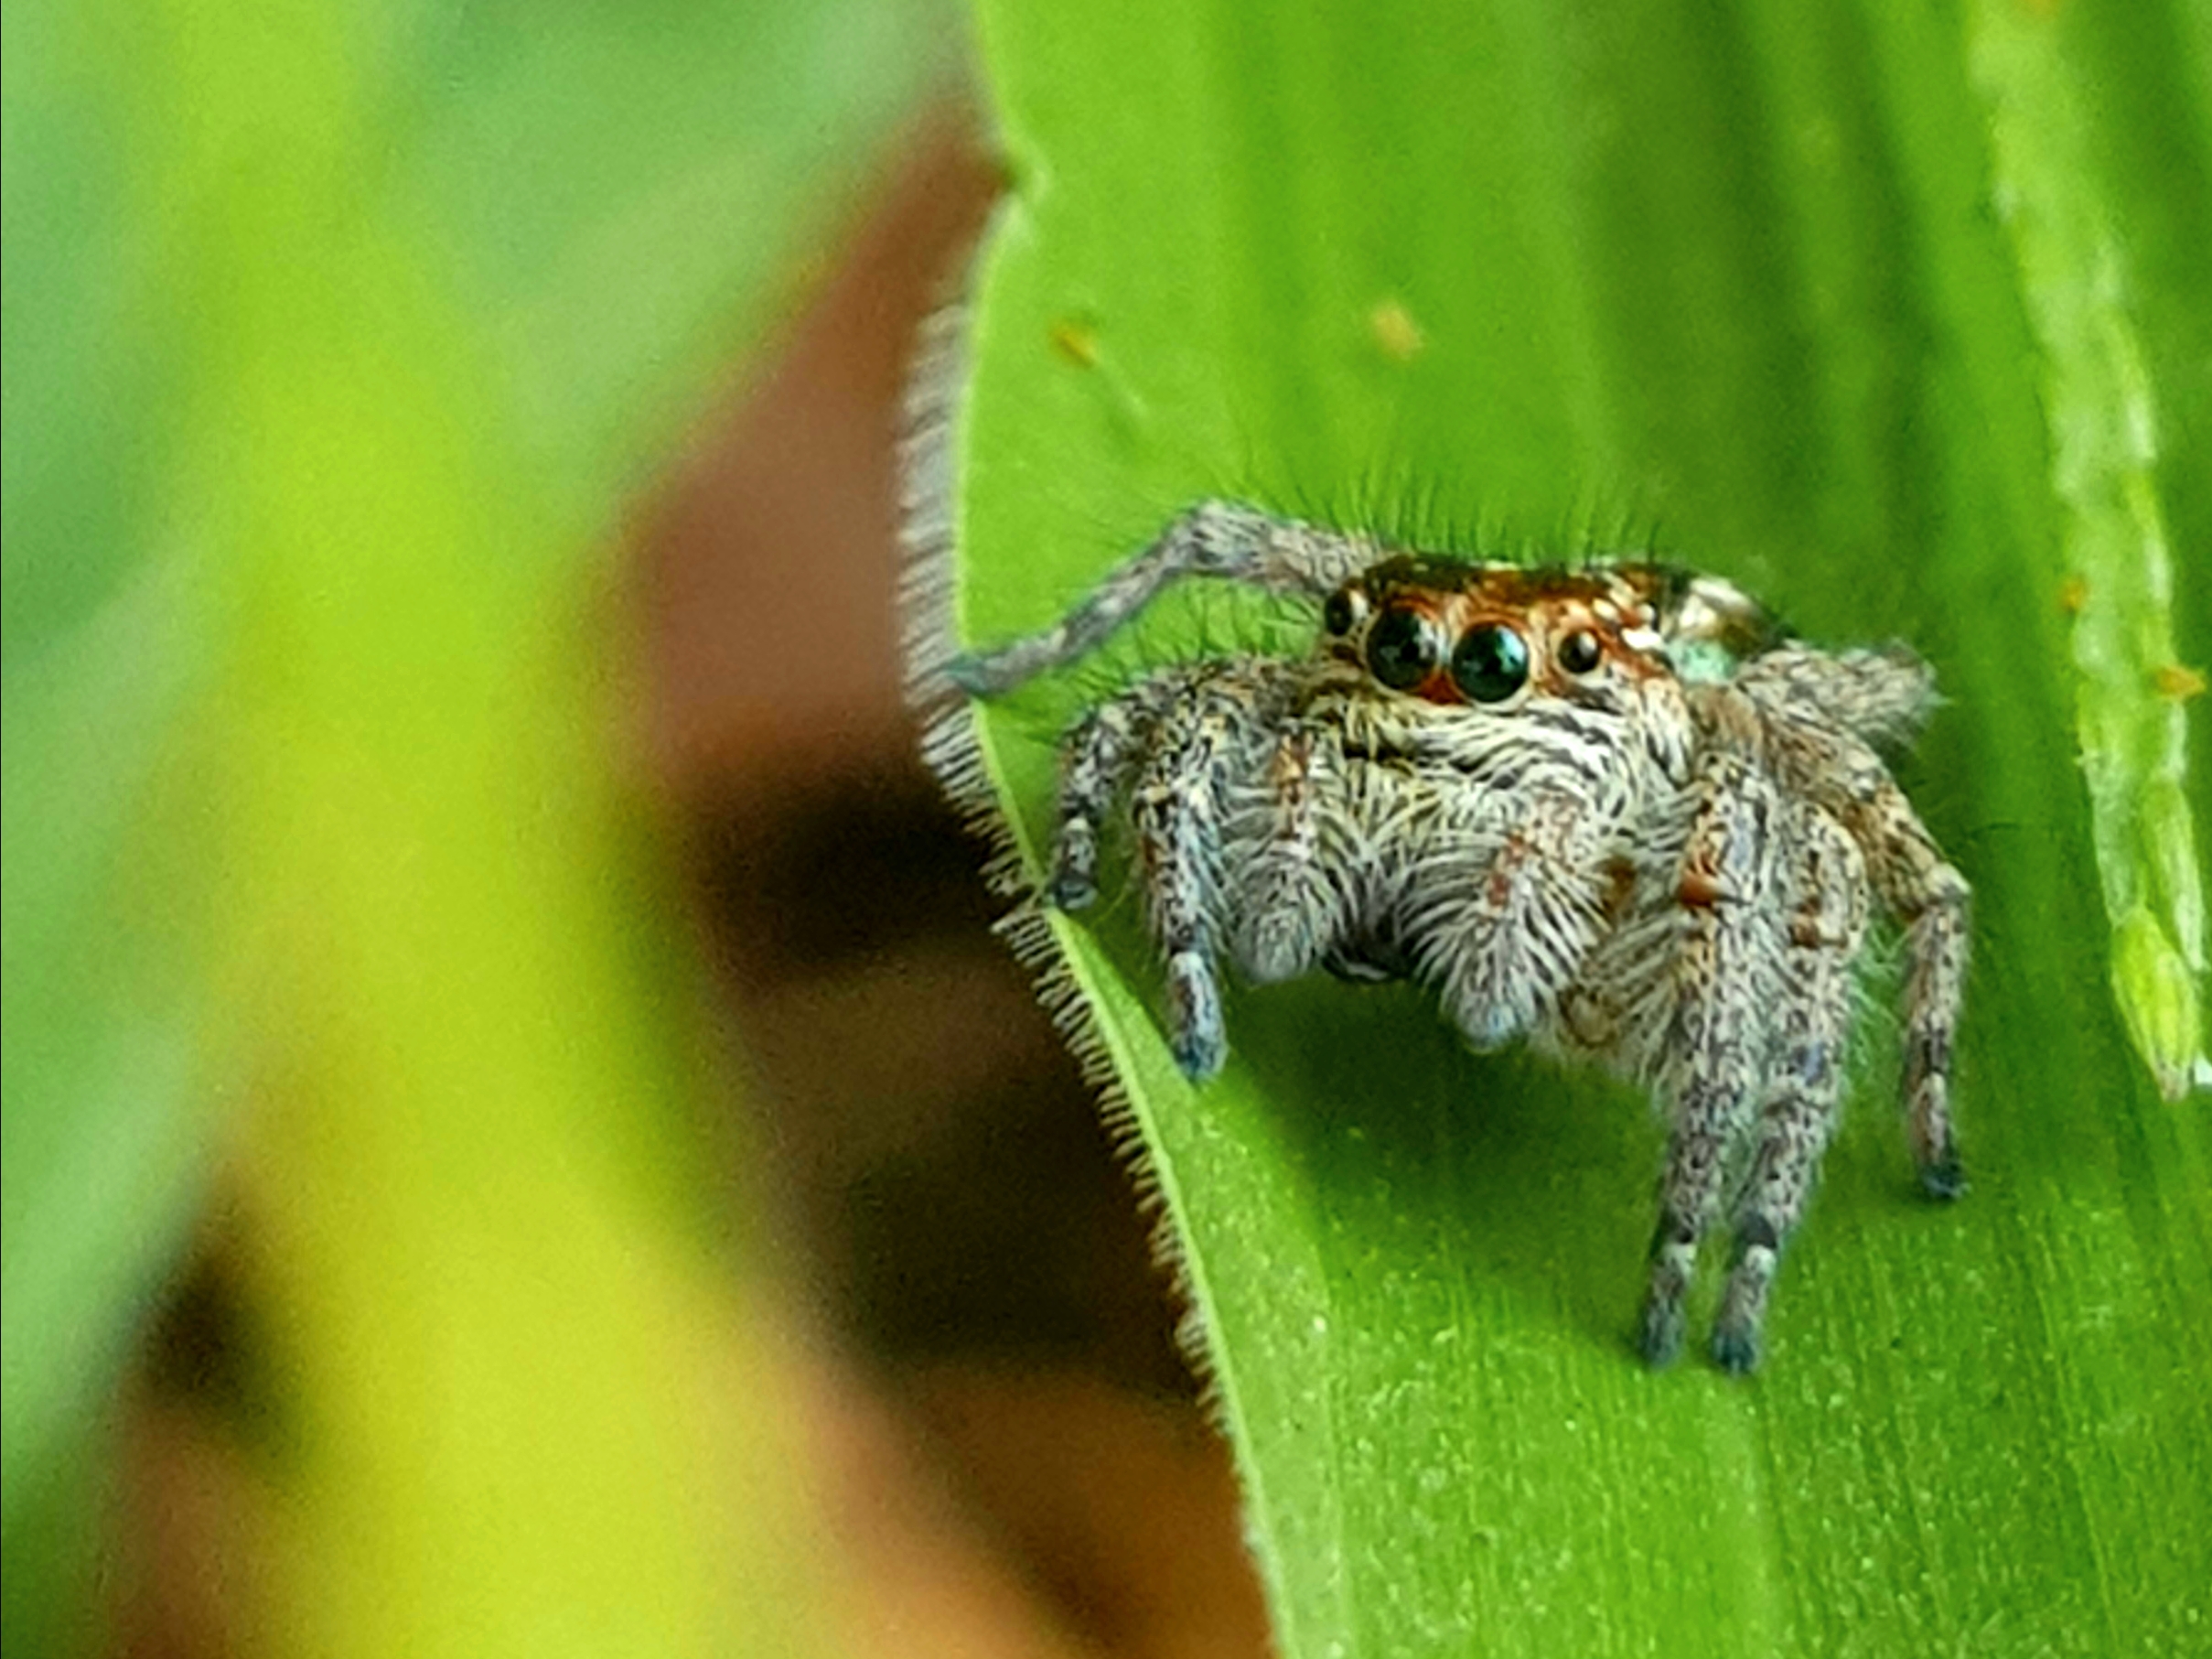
x=969, y=672
x=1492, y=1035
x=1281, y=947
x=1658, y=1335
x=1943, y=1176
x=1198, y=1040
x=1075, y=865
x=1737, y=1333
x=1071, y=889
x=1736, y=1349
x=1200, y=1055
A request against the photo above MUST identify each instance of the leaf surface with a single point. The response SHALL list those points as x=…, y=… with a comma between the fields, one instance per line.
x=1773, y=294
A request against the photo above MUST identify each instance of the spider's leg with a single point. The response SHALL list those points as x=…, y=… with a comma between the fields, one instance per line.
x=1213, y=538
x=1180, y=808
x=1921, y=888
x=1718, y=1035
x=1826, y=883
x=1098, y=758
x=1881, y=697
x=1932, y=898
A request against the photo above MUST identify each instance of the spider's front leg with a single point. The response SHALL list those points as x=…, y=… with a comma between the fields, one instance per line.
x=1182, y=807
x=1098, y=757
x=1215, y=539
x=1826, y=881
x=1723, y=975
x=1881, y=696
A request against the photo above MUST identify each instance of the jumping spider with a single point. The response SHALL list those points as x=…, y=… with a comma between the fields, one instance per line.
x=1613, y=810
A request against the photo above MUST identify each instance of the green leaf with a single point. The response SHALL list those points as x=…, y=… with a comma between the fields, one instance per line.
x=335, y=342
x=1797, y=297
x=2067, y=212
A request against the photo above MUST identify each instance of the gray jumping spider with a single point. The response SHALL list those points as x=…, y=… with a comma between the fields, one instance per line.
x=1613, y=810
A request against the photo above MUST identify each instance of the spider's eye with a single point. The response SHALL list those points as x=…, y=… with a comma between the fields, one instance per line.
x=1403, y=648
x=1579, y=652
x=1341, y=614
x=1491, y=662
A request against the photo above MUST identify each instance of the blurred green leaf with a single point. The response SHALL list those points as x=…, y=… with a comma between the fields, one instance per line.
x=1793, y=287
x=335, y=342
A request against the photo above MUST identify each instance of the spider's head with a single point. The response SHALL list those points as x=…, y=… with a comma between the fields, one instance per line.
x=1496, y=635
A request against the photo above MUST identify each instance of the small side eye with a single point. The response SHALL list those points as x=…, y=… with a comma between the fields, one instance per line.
x=1343, y=611
x=1491, y=663
x=1579, y=651
x=1403, y=648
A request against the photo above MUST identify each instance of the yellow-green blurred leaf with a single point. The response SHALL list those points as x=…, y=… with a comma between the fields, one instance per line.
x=334, y=340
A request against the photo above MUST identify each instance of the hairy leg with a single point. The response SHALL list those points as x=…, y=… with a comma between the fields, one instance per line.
x=1718, y=1040
x=1921, y=888
x=1180, y=806
x=1881, y=697
x=1932, y=898
x=1214, y=539
x=1826, y=882
x=1099, y=756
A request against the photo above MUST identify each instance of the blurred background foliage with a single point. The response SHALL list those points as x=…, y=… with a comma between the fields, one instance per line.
x=337, y=342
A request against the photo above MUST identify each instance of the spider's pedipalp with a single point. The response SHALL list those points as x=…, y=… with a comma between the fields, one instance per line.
x=1291, y=912
x=1824, y=879
x=1527, y=911
x=1518, y=881
x=1215, y=539
x=1721, y=976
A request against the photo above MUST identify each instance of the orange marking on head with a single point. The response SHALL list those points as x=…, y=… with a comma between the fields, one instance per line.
x=1544, y=606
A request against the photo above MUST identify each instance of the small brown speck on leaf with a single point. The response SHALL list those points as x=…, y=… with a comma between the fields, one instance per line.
x=2179, y=682
x=1076, y=341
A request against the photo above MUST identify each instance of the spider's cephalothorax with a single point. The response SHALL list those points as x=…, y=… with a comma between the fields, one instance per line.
x=1613, y=810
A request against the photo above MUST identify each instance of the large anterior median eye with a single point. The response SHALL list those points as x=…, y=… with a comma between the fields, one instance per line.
x=1491, y=662
x=1403, y=648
